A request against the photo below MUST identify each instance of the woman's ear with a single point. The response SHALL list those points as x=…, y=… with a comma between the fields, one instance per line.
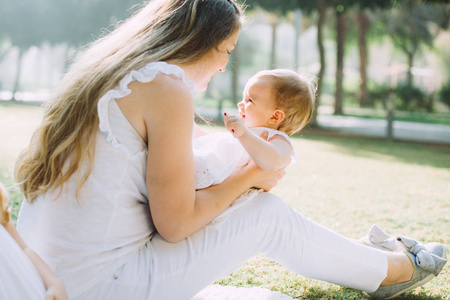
x=277, y=117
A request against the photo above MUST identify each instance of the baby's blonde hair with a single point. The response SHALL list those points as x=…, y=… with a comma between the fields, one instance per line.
x=294, y=94
x=4, y=211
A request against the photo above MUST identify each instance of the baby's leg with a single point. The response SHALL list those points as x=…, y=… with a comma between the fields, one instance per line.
x=269, y=226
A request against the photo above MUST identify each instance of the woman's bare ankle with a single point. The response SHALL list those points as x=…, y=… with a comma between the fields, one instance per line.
x=400, y=269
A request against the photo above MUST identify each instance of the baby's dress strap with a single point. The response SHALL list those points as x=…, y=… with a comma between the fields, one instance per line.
x=145, y=74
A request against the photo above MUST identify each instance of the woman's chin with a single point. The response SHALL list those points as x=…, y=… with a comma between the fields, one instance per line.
x=201, y=87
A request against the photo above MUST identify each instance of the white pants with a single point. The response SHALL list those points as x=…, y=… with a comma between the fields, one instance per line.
x=264, y=225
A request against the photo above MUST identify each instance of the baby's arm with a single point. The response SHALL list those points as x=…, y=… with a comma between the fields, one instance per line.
x=54, y=285
x=268, y=155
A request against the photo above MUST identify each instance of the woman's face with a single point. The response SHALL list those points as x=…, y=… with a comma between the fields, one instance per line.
x=212, y=62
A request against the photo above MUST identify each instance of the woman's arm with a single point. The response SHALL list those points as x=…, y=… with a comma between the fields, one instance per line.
x=177, y=209
x=54, y=285
x=268, y=155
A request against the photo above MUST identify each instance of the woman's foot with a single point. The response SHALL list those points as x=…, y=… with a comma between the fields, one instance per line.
x=424, y=264
x=420, y=276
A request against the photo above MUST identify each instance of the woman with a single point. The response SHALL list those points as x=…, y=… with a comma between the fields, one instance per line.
x=109, y=175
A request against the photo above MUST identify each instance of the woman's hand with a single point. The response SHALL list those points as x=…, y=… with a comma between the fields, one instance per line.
x=263, y=179
x=56, y=291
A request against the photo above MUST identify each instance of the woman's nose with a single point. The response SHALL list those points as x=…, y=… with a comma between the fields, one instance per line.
x=240, y=105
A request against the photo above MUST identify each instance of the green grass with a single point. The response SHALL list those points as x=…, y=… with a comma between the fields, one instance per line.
x=344, y=183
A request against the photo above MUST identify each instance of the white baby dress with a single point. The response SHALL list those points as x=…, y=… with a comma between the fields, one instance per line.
x=219, y=155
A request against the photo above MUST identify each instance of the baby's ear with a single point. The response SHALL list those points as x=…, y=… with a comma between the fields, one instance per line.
x=277, y=117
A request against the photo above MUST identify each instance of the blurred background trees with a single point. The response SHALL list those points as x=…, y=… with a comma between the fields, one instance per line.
x=52, y=23
x=363, y=51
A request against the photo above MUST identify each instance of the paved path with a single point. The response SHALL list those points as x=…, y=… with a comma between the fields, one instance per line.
x=404, y=131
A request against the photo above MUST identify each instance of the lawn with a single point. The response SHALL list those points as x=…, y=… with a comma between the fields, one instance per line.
x=346, y=184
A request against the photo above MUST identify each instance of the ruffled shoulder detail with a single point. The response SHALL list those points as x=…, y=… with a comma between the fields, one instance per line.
x=274, y=132
x=144, y=75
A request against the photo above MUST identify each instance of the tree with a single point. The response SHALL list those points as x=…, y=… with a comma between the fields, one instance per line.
x=412, y=24
x=364, y=23
x=20, y=22
x=27, y=23
x=276, y=10
x=322, y=9
x=341, y=9
x=341, y=19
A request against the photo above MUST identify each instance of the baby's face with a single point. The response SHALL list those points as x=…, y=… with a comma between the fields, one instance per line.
x=258, y=103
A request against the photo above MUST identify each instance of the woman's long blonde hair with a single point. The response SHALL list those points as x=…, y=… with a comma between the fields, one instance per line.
x=181, y=31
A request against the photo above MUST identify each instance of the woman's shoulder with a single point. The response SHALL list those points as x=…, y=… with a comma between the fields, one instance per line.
x=156, y=80
x=148, y=101
x=162, y=85
x=162, y=90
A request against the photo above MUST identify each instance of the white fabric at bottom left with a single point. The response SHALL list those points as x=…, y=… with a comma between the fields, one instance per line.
x=19, y=279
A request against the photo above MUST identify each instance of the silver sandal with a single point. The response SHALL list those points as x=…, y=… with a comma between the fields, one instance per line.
x=428, y=260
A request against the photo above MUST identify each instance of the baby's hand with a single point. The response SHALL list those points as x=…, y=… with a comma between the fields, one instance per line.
x=235, y=124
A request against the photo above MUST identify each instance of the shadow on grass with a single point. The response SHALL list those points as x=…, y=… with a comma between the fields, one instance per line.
x=406, y=152
x=351, y=294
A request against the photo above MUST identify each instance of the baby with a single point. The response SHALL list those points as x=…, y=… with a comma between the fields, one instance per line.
x=275, y=105
x=18, y=276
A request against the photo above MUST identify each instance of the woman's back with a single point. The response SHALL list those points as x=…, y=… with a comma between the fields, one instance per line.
x=85, y=238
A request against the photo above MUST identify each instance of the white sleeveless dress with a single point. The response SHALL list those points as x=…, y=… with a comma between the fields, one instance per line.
x=86, y=240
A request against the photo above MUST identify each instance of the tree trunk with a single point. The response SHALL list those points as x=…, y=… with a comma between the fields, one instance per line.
x=409, y=78
x=340, y=40
x=17, y=79
x=321, y=6
x=235, y=75
x=274, y=25
x=430, y=102
x=363, y=23
x=297, y=25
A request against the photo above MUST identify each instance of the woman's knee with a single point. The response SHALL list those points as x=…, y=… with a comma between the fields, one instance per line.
x=272, y=207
